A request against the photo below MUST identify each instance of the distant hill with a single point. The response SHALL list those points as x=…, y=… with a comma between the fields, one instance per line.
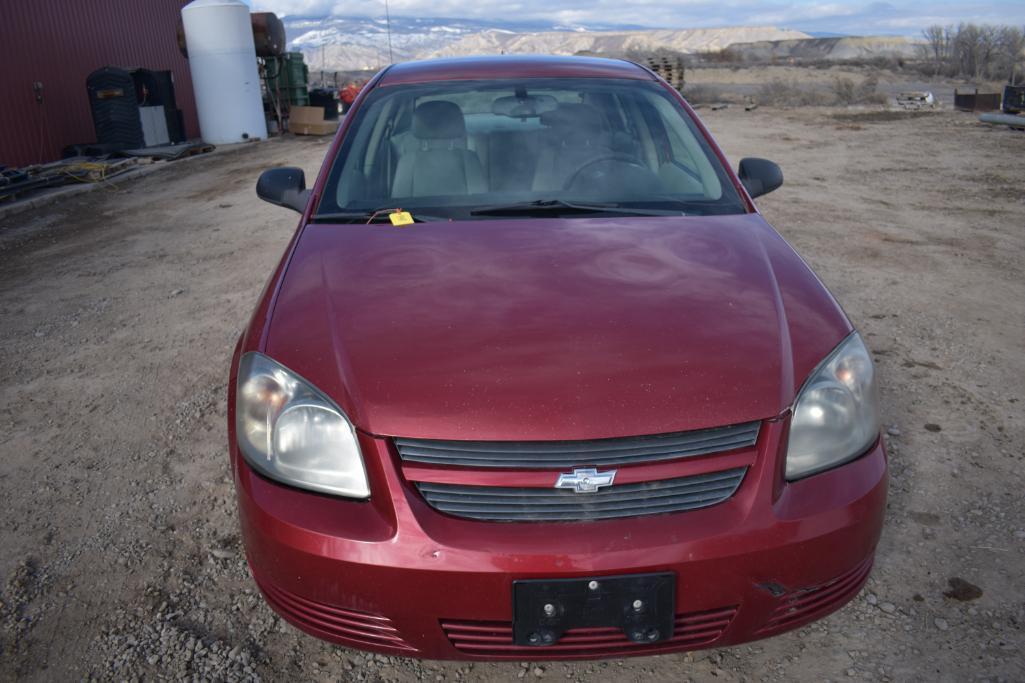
x=355, y=43
x=833, y=49
x=359, y=43
x=611, y=42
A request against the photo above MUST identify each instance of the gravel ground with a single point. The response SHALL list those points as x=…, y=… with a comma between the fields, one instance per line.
x=118, y=311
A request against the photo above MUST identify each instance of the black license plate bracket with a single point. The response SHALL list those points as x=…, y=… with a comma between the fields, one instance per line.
x=642, y=605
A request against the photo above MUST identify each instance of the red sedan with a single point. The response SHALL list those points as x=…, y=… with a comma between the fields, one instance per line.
x=535, y=379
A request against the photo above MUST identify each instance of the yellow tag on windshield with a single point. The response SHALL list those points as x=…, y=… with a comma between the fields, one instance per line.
x=401, y=218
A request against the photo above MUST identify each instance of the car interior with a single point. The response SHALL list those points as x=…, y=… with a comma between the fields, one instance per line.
x=472, y=147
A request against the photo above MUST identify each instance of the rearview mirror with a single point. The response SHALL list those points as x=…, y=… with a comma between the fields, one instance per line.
x=759, y=176
x=285, y=186
x=523, y=107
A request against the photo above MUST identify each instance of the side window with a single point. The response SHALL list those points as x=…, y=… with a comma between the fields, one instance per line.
x=680, y=153
x=670, y=147
x=608, y=105
x=686, y=166
x=638, y=135
x=471, y=101
x=368, y=161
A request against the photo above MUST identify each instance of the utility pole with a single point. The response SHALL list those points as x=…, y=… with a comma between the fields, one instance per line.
x=387, y=22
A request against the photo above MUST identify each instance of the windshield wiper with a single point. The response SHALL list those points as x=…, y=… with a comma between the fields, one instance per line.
x=540, y=207
x=378, y=215
x=557, y=207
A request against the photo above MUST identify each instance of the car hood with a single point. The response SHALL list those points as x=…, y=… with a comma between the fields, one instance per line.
x=548, y=329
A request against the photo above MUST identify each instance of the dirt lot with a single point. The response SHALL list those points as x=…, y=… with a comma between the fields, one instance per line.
x=118, y=311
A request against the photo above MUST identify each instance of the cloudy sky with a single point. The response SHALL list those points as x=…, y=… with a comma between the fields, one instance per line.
x=840, y=16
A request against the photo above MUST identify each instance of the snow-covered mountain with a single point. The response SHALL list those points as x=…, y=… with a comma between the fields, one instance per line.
x=355, y=43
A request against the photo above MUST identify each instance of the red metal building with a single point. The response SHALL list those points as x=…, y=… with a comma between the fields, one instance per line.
x=59, y=43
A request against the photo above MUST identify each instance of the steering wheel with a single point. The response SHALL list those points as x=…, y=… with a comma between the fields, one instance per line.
x=620, y=157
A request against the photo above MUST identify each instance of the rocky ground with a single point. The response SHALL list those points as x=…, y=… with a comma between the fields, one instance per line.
x=118, y=311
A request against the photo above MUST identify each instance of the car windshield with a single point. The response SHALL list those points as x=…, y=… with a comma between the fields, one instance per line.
x=571, y=146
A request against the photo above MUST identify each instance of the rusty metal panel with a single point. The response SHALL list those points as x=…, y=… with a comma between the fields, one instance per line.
x=1013, y=99
x=58, y=43
x=976, y=101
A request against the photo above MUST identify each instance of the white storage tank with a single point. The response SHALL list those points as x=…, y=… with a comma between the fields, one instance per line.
x=225, y=78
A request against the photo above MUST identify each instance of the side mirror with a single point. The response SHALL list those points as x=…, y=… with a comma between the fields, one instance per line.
x=285, y=186
x=759, y=176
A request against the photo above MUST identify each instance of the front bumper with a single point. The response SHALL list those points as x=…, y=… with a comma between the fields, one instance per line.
x=395, y=576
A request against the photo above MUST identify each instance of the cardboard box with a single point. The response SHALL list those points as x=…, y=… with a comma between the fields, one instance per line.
x=322, y=128
x=310, y=121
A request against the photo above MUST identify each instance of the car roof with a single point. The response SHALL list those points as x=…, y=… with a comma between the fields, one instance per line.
x=511, y=66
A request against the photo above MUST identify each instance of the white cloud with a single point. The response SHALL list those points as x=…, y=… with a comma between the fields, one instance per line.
x=809, y=15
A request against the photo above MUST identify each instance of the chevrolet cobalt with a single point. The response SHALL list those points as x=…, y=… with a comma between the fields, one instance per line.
x=535, y=380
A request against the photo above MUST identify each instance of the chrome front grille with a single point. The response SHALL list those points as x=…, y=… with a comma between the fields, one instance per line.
x=502, y=504
x=564, y=454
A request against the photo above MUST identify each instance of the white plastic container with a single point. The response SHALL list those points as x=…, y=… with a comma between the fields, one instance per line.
x=225, y=78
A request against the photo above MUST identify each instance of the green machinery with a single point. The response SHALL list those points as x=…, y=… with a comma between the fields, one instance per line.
x=287, y=78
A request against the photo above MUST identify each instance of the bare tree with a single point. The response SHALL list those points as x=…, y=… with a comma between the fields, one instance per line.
x=975, y=51
x=937, y=46
x=1010, y=52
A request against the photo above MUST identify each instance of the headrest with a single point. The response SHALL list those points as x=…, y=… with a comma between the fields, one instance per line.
x=575, y=116
x=438, y=120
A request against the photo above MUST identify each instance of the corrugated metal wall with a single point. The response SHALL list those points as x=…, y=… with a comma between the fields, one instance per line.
x=59, y=43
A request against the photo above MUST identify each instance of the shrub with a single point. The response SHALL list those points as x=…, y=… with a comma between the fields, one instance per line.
x=788, y=93
x=699, y=93
x=724, y=56
x=846, y=92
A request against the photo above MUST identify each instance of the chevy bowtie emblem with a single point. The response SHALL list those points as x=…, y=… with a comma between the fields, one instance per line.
x=585, y=481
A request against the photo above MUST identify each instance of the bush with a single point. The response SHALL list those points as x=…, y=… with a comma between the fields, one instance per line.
x=702, y=94
x=783, y=93
x=846, y=92
x=724, y=56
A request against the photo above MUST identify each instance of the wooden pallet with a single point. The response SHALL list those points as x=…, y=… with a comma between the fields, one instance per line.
x=669, y=68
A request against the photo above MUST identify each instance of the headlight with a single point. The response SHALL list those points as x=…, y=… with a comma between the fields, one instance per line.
x=836, y=416
x=291, y=432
